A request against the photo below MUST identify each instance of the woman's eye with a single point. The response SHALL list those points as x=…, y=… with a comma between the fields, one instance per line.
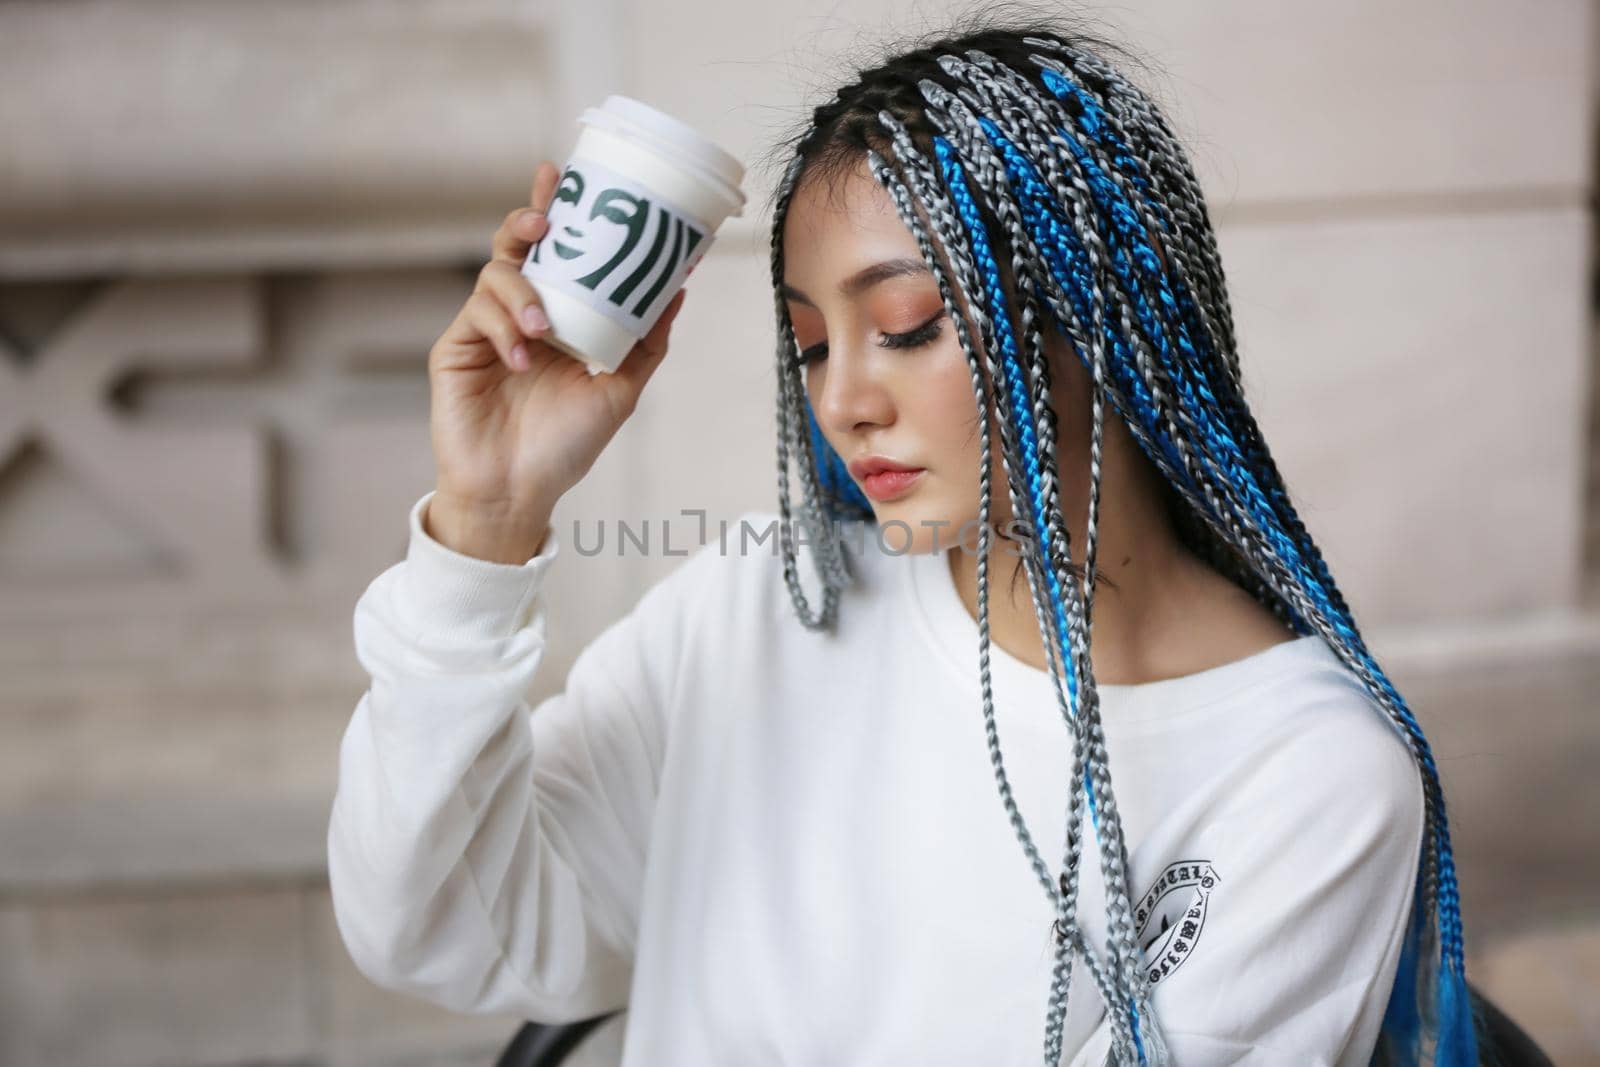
x=924, y=334
x=927, y=333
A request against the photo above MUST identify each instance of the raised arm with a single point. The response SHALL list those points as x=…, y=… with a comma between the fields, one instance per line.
x=480, y=855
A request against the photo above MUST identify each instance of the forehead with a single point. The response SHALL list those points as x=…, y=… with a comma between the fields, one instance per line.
x=837, y=217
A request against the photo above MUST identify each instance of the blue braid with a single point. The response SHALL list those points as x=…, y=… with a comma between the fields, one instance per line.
x=1022, y=415
x=1039, y=209
x=1216, y=435
x=1015, y=386
x=1094, y=123
x=1064, y=253
x=1456, y=1040
x=1316, y=578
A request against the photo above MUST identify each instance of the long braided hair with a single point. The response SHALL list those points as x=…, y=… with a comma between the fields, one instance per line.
x=1051, y=192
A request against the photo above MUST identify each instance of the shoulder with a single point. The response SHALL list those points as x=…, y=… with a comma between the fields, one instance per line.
x=1330, y=751
x=1319, y=802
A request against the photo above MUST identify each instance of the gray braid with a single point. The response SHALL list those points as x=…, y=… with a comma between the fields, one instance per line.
x=828, y=554
x=1172, y=176
x=951, y=114
x=1065, y=900
x=1009, y=90
x=1178, y=423
x=1182, y=195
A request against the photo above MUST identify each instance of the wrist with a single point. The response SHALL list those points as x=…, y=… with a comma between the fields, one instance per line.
x=500, y=532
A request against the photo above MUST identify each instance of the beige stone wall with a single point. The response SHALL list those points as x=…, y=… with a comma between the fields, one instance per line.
x=229, y=233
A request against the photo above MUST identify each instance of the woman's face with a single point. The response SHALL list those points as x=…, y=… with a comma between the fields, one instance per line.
x=885, y=374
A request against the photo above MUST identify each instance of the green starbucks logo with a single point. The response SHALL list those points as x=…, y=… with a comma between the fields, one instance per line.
x=617, y=246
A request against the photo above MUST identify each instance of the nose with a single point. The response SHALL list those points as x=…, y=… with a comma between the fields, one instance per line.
x=852, y=395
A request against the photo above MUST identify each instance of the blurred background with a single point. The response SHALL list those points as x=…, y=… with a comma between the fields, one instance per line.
x=229, y=233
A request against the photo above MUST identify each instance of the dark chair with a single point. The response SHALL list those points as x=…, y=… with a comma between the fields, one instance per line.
x=547, y=1044
x=1501, y=1042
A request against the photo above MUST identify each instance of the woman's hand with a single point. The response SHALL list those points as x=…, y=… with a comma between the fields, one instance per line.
x=515, y=421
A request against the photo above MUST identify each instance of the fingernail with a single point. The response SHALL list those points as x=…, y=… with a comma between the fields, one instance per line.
x=533, y=319
x=519, y=356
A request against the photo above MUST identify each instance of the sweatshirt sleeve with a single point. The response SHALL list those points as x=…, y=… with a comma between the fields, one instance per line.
x=484, y=855
x=1284, y=947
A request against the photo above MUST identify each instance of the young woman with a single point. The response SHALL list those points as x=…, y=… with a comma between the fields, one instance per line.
x=777, y=841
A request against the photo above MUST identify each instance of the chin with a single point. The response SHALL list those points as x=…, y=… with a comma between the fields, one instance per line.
x=915, y=527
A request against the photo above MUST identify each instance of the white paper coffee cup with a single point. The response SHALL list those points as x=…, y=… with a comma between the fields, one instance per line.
x=638, y=204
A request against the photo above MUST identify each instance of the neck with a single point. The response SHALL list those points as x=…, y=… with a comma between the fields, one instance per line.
x=1130, y=621
x=1159, y=611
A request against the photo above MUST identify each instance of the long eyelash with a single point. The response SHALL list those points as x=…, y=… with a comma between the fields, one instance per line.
x=927, y=333
x=922, y=335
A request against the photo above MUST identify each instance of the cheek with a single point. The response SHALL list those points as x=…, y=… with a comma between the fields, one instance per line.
x=950, y=408
x=948, y=404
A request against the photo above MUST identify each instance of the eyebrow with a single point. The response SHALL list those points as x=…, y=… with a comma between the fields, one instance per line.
x=864, y=279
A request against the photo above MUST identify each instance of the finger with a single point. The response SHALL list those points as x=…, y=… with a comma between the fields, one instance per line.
x=646, y=355
x=517, y=295
x=485, y=314
x=546, y=176
x=526, y=225
x=517, y=233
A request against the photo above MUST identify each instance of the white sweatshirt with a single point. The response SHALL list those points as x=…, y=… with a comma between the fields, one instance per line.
x=779, y=847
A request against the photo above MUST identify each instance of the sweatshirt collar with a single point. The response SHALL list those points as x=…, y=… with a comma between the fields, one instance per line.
x=953, y=635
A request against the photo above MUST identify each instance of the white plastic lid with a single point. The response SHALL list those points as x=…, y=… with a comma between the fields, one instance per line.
x=675, y=139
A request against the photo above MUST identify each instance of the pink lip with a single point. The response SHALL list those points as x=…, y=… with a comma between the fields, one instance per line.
x=882, y=478
x=862, y=466
x=888, y=485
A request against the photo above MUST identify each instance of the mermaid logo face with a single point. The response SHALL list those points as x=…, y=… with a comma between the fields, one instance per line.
x=597, y=240
x=617, y=206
